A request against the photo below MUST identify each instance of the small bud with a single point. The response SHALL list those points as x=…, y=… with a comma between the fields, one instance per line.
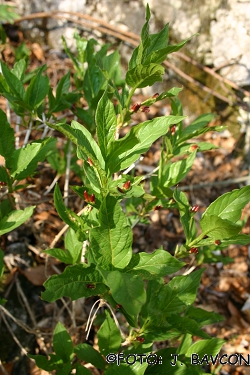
x=92, y=198
x=126, y=185
x=173, y=130
x=135, y=107
x=118, y=306
x=172, y=201
x=2, y=183
x=193, y=250
x=140, y=339
x=193, y=148
x=194, y=208
x=145, y=109
x=157, y=208
x=90, y=286
x=155, y=95
x=217, y=242
x=90, y=162
x=86, y=196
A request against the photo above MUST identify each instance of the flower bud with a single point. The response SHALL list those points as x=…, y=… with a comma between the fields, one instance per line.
x=173, y=130
x=92, y=198
x=126, y=185
x=155, y=95
x=90, y=162
x=135, y=107
x=86, y=196
x=194, y=208
x=145, y=109
x=217, y=242
x=193, y=250
x=140, y=339
x=118, y=306
x=157, y=208
x=193, y=148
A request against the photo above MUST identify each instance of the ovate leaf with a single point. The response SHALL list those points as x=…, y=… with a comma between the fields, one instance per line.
x=87, y=353
x=142, y=76
x=217, y=228
x=15, y=219
x=111, y=242
x=6, y=139
x=109, y=336
x=229, y=206
x=148, y=266
x=75, y=283
x=62, y=343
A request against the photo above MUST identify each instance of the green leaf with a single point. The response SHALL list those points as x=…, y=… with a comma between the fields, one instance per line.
x=193, y=129
x=165, y=367
x=81, y=370
x=24, y=160
x=7, y=139
x=203, y=347
x=62, y=343
x=125, y=369
x=127, y=290
x=94, y=81
x=37, y=90
x=240, y=239
x=186, y=325
x=14, y=84
x=1, y=263
x=54, y=363
x=158, y=56
x=73, y=245
x=65, y=370
x=87, y=353
x=111, y=242
x=105, y=123
x=74, y=282
x=229, y=205
x=19, y=69
x=172, y=298
x=203, y=317
x=178, y=170
x=217, y=228
x=146, y=133
x=148, y=266
x=142, y=76
x=63, y=255
x=15, y=219
x=185, y=214
x=109, y=336
x=68, y=216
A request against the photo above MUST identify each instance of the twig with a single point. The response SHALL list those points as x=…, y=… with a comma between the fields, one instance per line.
x=3, y=369
x=26, y=303
x=23, y=351
x=18, y=322
x=216, y=183
x=52, y=184
x=27, y=135
x=67, y=173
